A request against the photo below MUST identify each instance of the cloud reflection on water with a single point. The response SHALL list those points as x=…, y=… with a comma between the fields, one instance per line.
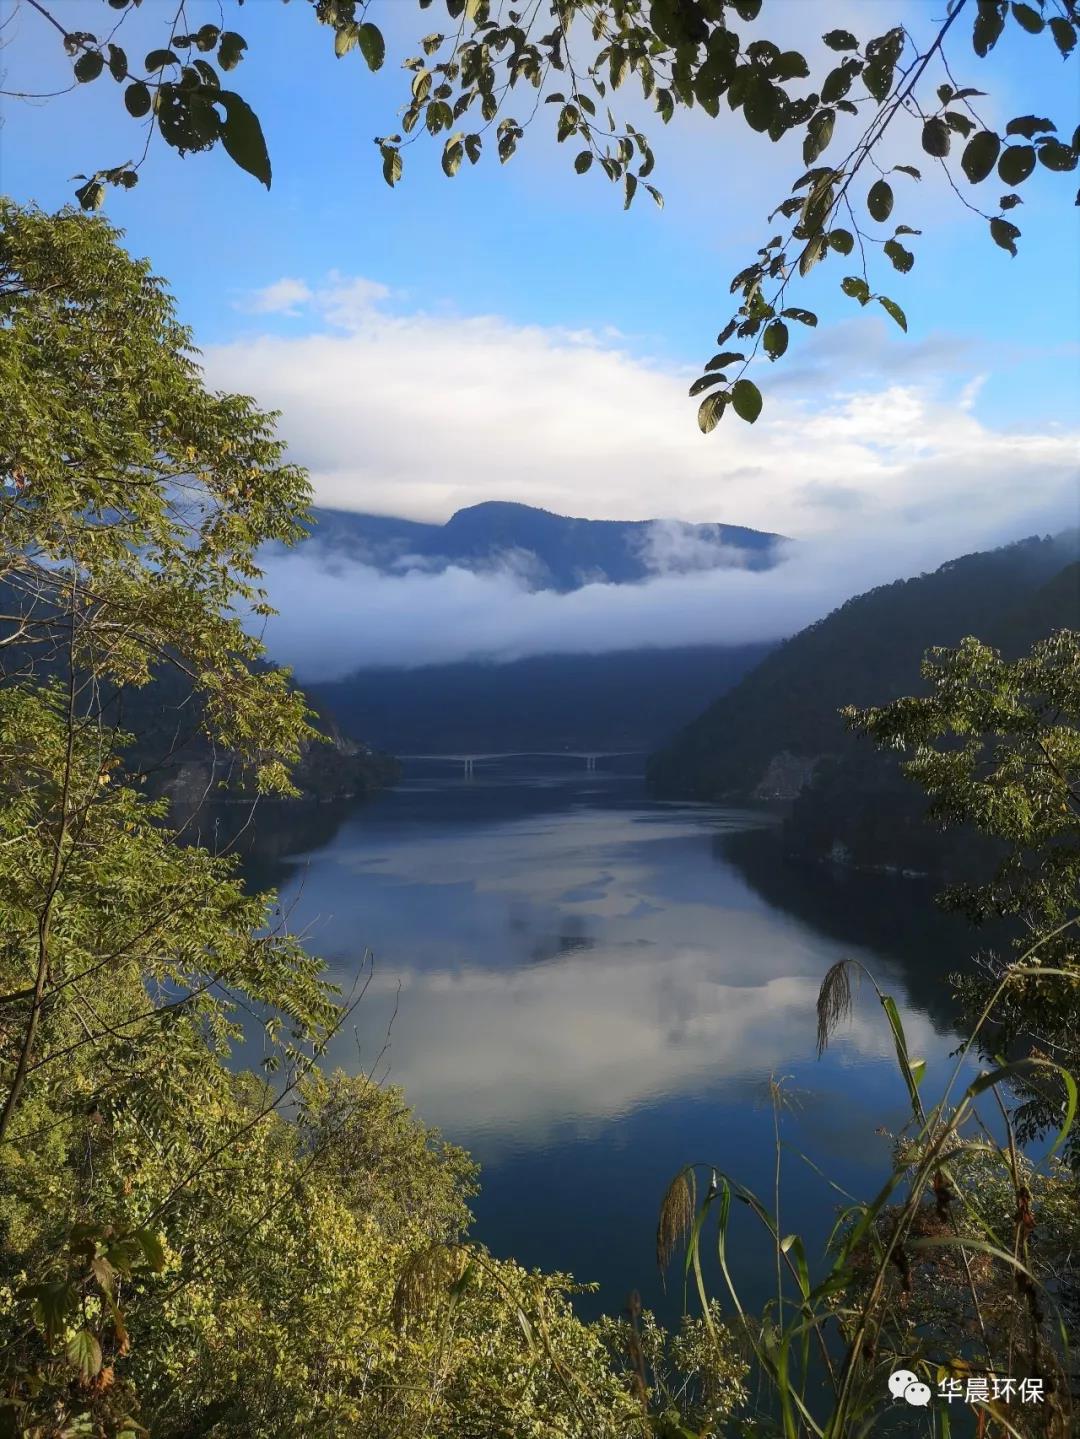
x=580, y=967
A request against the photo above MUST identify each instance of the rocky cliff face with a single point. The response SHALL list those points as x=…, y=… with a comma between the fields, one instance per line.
x=341, y=768
x=785, y=776
x=337, y=769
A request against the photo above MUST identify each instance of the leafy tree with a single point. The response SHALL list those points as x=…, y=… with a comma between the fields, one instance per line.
x=996, y=746
x=188, y=1248
x=481, y=80
x=133, y=502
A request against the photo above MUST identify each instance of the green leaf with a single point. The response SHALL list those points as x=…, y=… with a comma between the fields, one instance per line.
x=137, y=99
x=1016, y=163
x=840, y=40
x=879, y=201
x=980, y=156
x=346, y=39
x=936, y=137
x=104, y=1273
x=856, y=287
x=1029, y=126
x=812, y=254
x=804, y=317
x=117, y=63
x=775, y=339
x=151, y=1246
x=51, y=1305
x=91, y=196
x=746, y=400
x=989, y=23
x=84, y=1352
x=1022, y=1068
x=882, y=55
x=838, y=81
x=710, y=410
x=1056, y=156
x=888, y=1004
x=706, y=382
x=452, y=156
x=901, y=258
x=842, y=241
x=789, y=65
x=391, y=169
x=158, y=59
x=725, y=357
x=372, y=45
x=231, y=49
x=242, y=136
x=89, y=66
x=1005, y=234
x=818, y=134
x=1064, y=35
x=958, y=122
x=1030, y=19
x=583, y=161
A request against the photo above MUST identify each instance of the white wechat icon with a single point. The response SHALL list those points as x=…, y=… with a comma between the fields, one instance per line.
x=903, y=1384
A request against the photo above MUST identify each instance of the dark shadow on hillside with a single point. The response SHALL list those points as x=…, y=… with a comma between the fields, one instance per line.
x=895, y=917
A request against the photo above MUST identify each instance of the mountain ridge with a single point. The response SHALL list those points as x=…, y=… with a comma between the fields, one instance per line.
x=778, y=733
x=552, y=551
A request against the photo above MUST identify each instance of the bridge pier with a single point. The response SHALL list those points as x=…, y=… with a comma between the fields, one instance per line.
x=590, y=762
x=467, y=767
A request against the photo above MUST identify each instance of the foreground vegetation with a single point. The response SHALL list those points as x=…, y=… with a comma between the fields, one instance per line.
x=191, y=1247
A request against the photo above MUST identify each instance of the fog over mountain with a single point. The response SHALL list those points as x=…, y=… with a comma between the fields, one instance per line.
x=503, y=582
x=546, y=551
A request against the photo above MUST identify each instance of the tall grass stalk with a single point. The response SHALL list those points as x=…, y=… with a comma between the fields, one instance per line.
x=842, y=1335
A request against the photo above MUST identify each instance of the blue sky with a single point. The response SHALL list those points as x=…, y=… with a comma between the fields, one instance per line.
x=513, y=333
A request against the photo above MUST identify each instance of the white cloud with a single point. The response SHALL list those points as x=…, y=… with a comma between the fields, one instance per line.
x=420, y=413
x=869, y=451
x=283, y=297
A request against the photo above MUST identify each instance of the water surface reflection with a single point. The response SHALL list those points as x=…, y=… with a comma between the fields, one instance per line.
x=591, y=989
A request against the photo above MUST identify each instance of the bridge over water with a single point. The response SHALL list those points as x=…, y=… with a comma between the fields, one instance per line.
x=469, y=761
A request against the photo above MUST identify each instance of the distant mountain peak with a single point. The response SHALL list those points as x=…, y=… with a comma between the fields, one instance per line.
x=561, y=552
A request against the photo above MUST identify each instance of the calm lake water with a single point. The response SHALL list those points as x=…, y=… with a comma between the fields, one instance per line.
x=592, y=988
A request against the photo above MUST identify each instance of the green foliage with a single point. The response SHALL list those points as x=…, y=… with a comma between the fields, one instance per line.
x=936, y=1274
x=134, y=500
x=695, y=1376
x=996, y=746
x=187, y=1247
x=573, y=54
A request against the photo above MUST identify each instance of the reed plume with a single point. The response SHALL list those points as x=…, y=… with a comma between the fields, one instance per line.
x=676, y=1216
x=833, y=1002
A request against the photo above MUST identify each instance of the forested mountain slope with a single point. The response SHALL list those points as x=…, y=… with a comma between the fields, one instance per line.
x=169, y=752
x=627, y=700
x=765, y=735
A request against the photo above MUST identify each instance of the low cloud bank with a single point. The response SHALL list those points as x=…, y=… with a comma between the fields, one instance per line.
x=870, y=451
x=335, y=619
